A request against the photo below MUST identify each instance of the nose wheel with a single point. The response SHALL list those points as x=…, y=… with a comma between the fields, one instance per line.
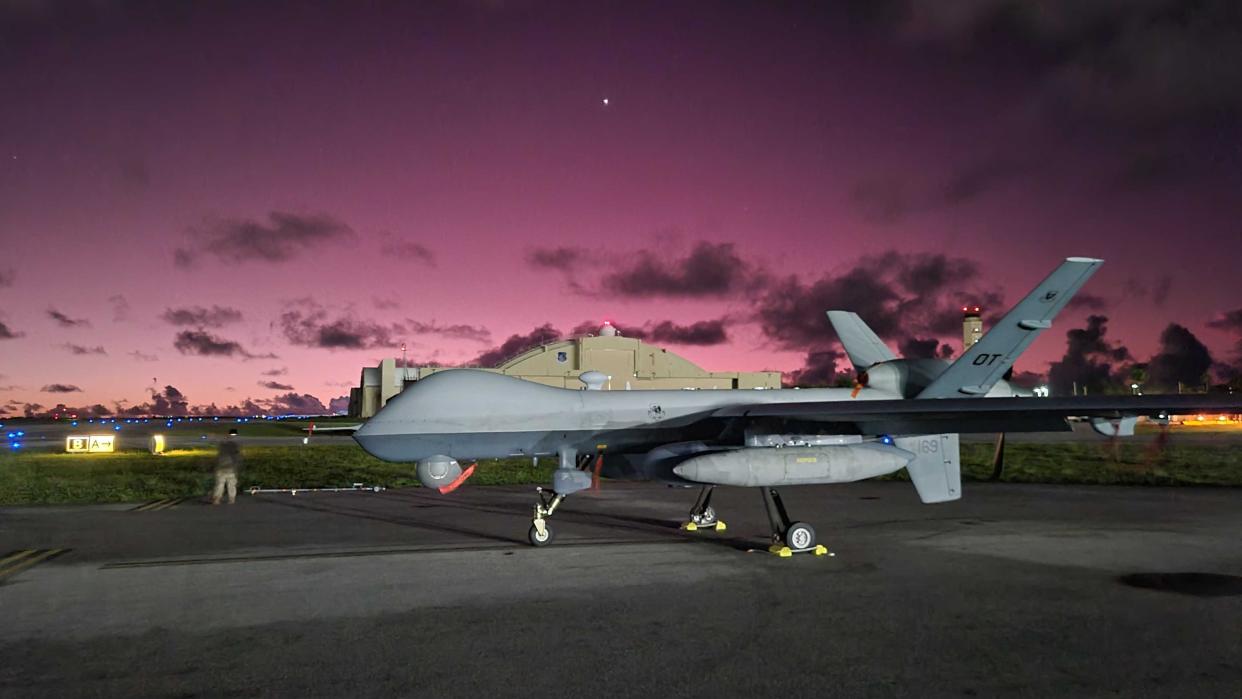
x=540, y=533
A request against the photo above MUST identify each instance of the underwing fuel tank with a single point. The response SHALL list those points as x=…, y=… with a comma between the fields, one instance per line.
x=795, y=465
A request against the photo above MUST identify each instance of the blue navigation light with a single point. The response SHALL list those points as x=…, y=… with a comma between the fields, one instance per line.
x=886, y=439
x=74, y=423
x=21, y=433
x=117, y=428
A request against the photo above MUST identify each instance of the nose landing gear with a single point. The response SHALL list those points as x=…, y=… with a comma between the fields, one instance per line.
x=540, y=533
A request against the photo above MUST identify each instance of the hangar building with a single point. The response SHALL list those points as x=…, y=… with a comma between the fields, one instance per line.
x=627, y=362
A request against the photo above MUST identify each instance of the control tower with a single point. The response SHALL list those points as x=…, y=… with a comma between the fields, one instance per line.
x=972, y=326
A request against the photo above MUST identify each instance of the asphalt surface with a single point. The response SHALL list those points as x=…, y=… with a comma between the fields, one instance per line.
x=1014, y=591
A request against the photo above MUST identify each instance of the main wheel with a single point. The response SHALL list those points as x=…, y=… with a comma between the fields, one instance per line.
x=537, y=539
x=800, y=536
x=707, y=519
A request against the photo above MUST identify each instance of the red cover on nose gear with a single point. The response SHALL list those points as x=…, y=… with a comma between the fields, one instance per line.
x=445, y=490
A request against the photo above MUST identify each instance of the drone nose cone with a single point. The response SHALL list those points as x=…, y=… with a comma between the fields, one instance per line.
x=375, y=439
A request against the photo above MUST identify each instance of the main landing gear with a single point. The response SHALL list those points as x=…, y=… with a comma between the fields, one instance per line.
x=788, y=537
x=702, y=516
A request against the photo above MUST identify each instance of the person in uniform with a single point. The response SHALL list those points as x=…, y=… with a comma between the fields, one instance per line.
x=228, y=462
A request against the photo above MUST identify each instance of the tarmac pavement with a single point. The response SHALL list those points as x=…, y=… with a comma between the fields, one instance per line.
x=1017, y=590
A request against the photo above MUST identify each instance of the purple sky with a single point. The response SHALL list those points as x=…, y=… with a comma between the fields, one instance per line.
x=225, y=190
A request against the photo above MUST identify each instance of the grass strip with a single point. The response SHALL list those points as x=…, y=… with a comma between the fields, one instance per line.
x=41, y=478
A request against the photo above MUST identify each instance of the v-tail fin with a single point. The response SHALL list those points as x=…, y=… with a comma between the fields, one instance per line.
x=863, y=346
x=987, y=361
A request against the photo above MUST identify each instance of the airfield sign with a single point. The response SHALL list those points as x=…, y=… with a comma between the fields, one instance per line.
x=94, y=443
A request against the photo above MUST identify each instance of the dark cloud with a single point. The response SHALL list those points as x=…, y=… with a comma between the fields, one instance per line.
x=1091, y=362
x=168, y=402
x=281, y=238
x=929, y=274
x=898, y=294
x=142, y=356
x=60, y=388
x=407, y=250
x=978, y=178
x=204, y=344
x=1154, y=290
x=276, y=386
x=1181, y=359
x=592, y=327
x=295, y=404
x=309, y=325
x=516, y=344
x=459, y=331
x=65, y=321
x=889, y=198
x=7, y=277
x=81, y=350
x=1231, y=320
x=120, y=307
x=710, y=269
x=338, y=405
x=883, y=200
x=1027, y=379
x=387, y=304
x=703, y=332
x=1150, y=90
x=199, y=317
x=1087, y=302
x=61, y=409
x=276, y=372
x=1142, y=66
x=558, y=258
x=918, y=348
x=819, y=369
x=8, y=334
